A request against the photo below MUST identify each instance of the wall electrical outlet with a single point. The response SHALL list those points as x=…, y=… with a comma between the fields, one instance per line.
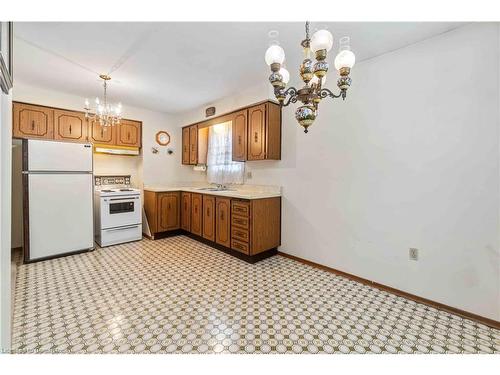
x=413, y=253
x=249, y=174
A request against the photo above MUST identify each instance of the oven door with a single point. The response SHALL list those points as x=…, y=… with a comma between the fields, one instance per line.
x=120, y=211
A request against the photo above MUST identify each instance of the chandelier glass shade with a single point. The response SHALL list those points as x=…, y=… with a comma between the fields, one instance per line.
x=105, y=113
x=313, y=74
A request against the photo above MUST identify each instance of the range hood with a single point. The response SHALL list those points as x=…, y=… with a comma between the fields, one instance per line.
x=115, y=150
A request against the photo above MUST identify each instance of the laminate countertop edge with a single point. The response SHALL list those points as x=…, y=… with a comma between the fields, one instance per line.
x=227, y=193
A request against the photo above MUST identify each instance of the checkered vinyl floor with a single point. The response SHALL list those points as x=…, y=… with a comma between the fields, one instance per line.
x=177, y=295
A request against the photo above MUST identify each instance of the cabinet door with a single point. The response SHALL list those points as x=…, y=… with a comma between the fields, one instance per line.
x=240, y=136
x=168, y=211
x=257, y=132
x=196, y=214
x=223, y=222
x=101, y=134
x=186, y=211
x=31, y=121
x=185, y=145
x=209, y=217
x=193, y=144
x=70, y=126
x=128, y=133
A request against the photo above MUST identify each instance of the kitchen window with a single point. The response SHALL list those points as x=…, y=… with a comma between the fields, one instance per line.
x=221, y=169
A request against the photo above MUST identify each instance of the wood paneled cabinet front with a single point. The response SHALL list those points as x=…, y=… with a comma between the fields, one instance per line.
x=70, y=126
x=208, y=224
x=186, y=211
x=128, y=133
x=239, y=143
x=264, y=132
x=196, y=214
x=223, y=221
x=185, y=145
x=168, y=211
x=30, y=121
x=35, y=121
x=104, y=135
x=256, y=134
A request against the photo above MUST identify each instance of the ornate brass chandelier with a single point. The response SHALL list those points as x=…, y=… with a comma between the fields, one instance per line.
x=105, y=113
x=312, y=73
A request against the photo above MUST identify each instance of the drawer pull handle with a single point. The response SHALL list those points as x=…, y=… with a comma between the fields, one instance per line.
x=32, y=124
x=208, y=211
x=70, y=129
x=168, y=206
x=256, y=136
x=102, y=133
x=222, y=215
x=239, y=139
x=128, y=136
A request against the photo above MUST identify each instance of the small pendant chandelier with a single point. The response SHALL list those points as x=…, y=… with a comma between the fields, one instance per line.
x=312, y=73
x=105, y=113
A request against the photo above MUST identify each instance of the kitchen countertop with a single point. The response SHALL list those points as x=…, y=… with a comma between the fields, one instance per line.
x=247, y=193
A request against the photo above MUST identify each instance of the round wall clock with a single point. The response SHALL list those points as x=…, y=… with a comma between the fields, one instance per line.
x=162, y=138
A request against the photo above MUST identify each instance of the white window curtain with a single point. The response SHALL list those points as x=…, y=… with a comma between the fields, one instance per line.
x=221, y=169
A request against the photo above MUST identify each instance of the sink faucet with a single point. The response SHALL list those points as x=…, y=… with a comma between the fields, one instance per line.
x=221, y=187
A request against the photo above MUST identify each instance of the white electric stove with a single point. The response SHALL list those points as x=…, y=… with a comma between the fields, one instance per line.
x=117, y=211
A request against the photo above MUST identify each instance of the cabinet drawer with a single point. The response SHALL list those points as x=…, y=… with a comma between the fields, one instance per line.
x=240, y=208
x=240, y=246
x=239, y=221
x=240, y=234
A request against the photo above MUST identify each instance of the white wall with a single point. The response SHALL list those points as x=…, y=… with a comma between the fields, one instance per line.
x=5, y=223
x=410, y=159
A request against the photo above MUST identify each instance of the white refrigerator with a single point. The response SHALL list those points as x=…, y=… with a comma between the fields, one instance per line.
x=57, y=204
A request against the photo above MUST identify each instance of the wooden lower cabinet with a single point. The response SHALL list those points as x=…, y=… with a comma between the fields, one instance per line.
x=168, y=211
x=209, y=217
x=223, y=221
x=250, y=227
x=162, y=211
x=196, y=214
x=255, y=225
x=186, y=211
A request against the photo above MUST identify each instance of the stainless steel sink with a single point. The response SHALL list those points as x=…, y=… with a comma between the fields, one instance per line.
x=215, y=189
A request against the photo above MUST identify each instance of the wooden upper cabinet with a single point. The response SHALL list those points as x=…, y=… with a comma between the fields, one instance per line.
x=264, y=132
x=101, y=134
x=223, y=221
x=257, y=132
x=196, y=214
x=240, y=136
x=70, y=126
x=168, y=211
x=202, y=145
x=128, y=133
x=186, y=211
x=193, y=144
x=185, y=145
x=209, y=217
x=31, y=121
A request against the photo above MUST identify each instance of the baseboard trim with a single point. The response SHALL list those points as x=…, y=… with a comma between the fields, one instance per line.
x=464, y=314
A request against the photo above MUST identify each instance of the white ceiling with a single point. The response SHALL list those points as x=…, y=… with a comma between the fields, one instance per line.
x=173, y=67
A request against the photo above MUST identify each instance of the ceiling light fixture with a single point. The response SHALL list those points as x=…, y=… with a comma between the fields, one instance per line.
x=313, y=74
x=105, y=113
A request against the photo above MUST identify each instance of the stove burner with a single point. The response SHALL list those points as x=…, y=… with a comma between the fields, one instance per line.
x=106, y=190
x=126, y=190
